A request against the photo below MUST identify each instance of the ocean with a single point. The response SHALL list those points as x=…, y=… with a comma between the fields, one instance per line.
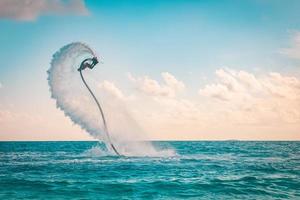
x=198, y=170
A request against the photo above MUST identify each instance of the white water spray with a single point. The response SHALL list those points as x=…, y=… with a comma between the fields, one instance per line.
x=74, y=100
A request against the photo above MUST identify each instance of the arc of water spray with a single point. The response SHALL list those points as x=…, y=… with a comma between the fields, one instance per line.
x=84, y=64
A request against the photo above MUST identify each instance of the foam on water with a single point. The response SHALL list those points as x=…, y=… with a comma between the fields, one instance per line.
x=133, y=151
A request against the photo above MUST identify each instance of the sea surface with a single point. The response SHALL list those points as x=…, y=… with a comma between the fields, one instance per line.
x=198, y=170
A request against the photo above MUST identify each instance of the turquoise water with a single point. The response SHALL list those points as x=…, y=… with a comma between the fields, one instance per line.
x=199, y=170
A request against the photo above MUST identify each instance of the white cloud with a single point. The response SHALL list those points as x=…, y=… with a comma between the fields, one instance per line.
x=27, y=10
x=111, y=88
x=269, y=99
x=294, y=50
x=239, y=100
x=230, y=83
x=172, y=82
x=1, y=85
x=169, y=88
x=218, y=91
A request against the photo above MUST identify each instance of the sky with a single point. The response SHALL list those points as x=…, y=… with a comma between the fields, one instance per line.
x=186, y=70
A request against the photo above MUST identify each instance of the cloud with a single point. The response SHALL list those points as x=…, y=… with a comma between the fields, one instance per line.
x=172, y=82
x=217, y=91
x=111, y=88
x=294, y=50
x=28, y=10
x=230, y=83
x=235, y=98
x=238, y=104
x=1, y=85
x=248, y=98
x=169, y=88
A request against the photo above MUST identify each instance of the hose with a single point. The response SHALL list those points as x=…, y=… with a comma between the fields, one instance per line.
x=102, y=113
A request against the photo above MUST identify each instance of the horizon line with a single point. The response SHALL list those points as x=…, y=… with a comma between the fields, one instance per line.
x=225, y=140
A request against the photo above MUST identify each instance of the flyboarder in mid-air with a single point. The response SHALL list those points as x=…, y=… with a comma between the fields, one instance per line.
x=89, y=62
